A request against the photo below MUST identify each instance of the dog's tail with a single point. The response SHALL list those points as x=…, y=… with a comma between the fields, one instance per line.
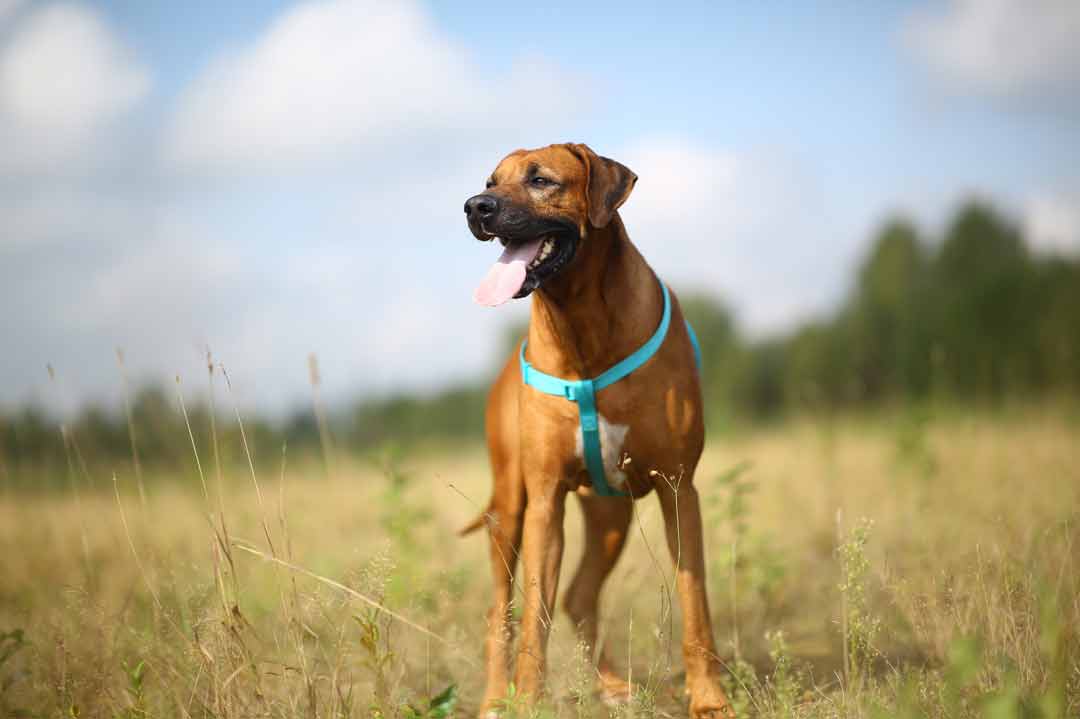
x=482, y=520
x=474, y=525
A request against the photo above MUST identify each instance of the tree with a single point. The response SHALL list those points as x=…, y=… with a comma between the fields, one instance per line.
x=888, y=343
x=984, y=309
x=723, y=359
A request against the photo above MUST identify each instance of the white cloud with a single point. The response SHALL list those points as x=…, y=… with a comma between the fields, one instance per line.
x=53, y=215
x=1001, y=48
x=751, y=226
x=347, y=74
x=168, y=285
x=1052, y=222
x=63, y=76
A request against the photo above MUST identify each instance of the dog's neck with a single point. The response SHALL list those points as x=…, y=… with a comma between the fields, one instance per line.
x=599, y=311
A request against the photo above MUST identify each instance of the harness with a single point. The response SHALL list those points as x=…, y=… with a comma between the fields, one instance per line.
x=583, y=392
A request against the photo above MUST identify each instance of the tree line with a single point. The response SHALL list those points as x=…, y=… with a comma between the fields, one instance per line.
x=973, y=317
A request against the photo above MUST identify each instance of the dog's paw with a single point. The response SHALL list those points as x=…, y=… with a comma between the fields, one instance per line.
x=614, y=690
x=720, y=711
x=708, y=701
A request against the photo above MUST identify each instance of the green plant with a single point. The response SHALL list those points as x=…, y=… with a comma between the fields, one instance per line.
x=375, y=637
x=399, y=516
x=582, y=679
x=730, y=498
x=513, y=704
x=740, y=685
x=750, y=571
x=784, y=685
x=727, y=503
x=439, y=706
x=913, y=447
x=135, y=675
x=955, y=690
x=860, y=627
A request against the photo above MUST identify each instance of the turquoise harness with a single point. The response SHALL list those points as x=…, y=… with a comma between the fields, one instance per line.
x=584, y=393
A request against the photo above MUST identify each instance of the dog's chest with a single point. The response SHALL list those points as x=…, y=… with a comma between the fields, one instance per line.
x=612, y=447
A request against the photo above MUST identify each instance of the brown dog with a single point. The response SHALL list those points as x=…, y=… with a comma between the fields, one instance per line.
x=595, y=301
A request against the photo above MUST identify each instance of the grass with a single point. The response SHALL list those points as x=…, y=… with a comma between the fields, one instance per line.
x=909, y=565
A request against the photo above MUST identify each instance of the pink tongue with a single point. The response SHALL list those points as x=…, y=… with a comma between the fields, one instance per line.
x=507, y=275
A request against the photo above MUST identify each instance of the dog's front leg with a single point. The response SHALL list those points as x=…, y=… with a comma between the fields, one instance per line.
x=682, y=520
x=541, y=557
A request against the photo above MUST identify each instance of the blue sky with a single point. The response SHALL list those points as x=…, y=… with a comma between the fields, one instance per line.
x=273, y=179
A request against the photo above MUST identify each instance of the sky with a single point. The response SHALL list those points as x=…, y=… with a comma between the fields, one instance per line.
x=274, y=179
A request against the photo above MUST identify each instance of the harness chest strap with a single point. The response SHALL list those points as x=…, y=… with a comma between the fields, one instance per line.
x=583, y=392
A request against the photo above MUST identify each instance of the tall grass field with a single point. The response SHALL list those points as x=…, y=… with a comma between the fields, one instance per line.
x=909, y=564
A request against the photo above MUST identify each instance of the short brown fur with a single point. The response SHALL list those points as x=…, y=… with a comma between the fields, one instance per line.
x=598, y=310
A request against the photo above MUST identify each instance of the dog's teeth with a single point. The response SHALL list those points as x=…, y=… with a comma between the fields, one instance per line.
x=547, y=248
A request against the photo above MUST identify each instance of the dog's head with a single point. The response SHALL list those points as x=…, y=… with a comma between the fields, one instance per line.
x=541, y=205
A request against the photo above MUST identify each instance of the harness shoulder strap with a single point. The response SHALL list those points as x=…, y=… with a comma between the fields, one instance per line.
x=644, y=353
x=583, y=392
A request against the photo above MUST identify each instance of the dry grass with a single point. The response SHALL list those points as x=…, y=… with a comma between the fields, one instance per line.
x=959, y=593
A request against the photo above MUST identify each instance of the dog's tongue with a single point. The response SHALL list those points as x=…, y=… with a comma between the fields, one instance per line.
x=506, y=276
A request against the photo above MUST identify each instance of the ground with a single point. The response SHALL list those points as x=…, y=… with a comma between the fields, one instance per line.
x=914, y=563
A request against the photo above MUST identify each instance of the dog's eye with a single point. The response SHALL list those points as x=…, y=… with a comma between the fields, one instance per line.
x=540, y=181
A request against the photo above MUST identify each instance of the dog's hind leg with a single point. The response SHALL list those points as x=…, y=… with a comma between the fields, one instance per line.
x=607, y=521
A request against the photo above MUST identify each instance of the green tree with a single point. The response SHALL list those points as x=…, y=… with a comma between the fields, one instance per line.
x=816, y=367
x=723, y=358
x=886, y=318
x=984, y=308
x=1057, y=317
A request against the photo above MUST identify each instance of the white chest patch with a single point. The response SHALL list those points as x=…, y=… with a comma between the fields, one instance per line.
x=612, y=437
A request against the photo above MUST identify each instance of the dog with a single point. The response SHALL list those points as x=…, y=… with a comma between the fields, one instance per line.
x=595, y=303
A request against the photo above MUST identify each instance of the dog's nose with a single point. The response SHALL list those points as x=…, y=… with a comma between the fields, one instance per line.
x=481, y=206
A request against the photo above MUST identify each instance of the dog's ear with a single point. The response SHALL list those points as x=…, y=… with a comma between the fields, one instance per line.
x=609, y=184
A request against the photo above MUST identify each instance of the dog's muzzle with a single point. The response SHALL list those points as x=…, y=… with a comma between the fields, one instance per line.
x=535, y=248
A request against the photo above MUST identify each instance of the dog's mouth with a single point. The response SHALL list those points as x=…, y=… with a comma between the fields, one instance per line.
x=525, y=264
